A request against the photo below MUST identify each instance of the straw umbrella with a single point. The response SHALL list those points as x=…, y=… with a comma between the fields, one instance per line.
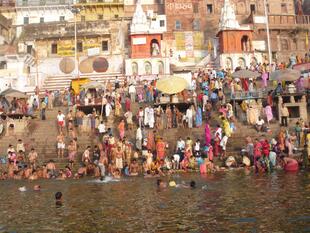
x=288, y=75
x=171, y=85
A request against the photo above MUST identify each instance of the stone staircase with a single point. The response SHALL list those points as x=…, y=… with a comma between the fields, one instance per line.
x=43, y=137
x=63, y=81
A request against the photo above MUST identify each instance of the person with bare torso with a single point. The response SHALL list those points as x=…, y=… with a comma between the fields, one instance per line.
x=134, y=168
x=32, y=157
x=60, y=145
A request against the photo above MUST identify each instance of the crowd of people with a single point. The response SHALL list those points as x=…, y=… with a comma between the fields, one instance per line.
x=135, y=143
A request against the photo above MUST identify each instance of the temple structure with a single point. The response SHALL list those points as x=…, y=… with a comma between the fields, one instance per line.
x=235, y=41
x=147, y=55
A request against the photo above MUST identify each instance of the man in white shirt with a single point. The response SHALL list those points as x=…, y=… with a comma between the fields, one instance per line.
x=61, y=120
x=132, y=93
x=259, y=124
x=223, y=144
x=189, y=117
x=101, y=129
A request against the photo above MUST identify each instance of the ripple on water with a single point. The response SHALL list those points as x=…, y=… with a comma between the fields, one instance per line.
x=278, y=202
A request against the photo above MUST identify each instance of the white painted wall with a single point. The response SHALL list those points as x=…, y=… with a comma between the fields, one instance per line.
x=154, y=63
x=50, y=14
x=235, y=57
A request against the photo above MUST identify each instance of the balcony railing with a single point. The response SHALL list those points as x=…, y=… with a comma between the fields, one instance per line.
x=65, y=29
x=288, y=20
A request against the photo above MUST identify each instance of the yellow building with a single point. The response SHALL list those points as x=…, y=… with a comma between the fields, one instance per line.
x=92, y=10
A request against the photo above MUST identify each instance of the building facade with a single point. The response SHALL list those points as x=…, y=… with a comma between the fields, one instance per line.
x=147, y=52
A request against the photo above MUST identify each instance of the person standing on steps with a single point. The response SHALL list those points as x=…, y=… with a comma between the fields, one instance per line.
x=284, y=115
x=43, y=109
x=60, y=121
x=60, y=145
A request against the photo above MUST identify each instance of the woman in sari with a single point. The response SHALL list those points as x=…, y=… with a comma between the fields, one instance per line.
x=268, y=112
x=169, y=117
x=226, y=127
x=216, y=148
x=207, y=134
x=118, y=108
x=121, y=129
x=160, y=149
x=281, y=141
x=199, y=117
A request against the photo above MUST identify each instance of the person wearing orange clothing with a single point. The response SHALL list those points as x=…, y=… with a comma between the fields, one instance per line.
x=160, y=149
x=121, y=129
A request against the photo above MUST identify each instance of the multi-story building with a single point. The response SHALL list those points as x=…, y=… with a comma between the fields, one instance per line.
x=49, y=29
x=186, y=23
x=287, y=30
x=147, y=53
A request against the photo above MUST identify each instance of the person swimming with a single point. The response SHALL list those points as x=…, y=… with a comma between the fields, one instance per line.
x=58, y=198
x=36, y=187
x=161, y=184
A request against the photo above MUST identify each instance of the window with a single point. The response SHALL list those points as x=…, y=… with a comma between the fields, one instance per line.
x=105, y=45
x=116, y=16
x=100, y=17
x=209, y=8
x=62, y=18
x=283, y=8
x=26, y=20
x=284, y=44
x=83, y=18
x=42, y=2
x=3, y=65
x=162, y=23
x=252, y=8
x=25, y=2
x=54, y=48
x=41, y=19
x=196, y=8
x=29, y=49
x=79, y=47
x=177, y=25
x=62, y=2
x=196, y=25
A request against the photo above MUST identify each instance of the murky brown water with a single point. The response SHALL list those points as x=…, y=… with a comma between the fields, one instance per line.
x=233, y=202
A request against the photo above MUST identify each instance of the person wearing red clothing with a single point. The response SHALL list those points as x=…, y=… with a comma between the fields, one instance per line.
x=160, y=149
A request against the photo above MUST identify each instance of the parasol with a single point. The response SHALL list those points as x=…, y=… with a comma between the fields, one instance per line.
x=11, y=93
x=86, y=66
x=66, y=65
x=245, y=74
x=93, y=85
x=285, y=75
x=100, y=65
x=171, y=85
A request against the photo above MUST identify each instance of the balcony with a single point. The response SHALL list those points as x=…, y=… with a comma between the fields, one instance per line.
x=35, y=3
x=284, y=21
x=99, y=2
x=65, y=29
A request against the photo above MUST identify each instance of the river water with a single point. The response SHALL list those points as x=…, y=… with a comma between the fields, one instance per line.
x=224, y=202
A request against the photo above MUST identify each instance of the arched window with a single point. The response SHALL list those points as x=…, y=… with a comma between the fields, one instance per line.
x=155, y=50
x=284, y=44
x=161, y=69
x=147, y=68
x=245, y=43
x=241, y=62
x=134, y=67
x=229, y=63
